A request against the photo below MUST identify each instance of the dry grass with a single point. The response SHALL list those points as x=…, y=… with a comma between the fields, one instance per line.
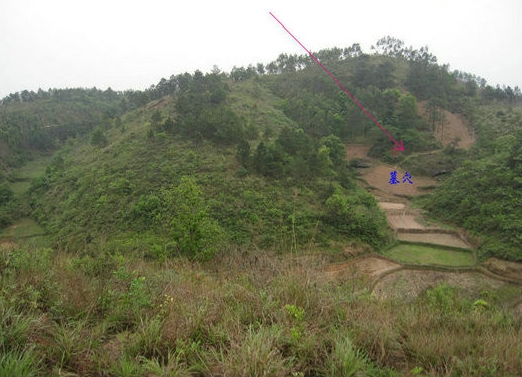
x=243, y=314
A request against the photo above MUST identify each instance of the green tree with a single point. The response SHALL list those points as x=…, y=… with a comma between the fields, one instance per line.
x=243, y=153
x=406, y=112
x=196, y=234
x=156, y=119
x=357, y=216
x=324, y=163
x=6, y=194
x=336, y=148
x=168, y=125
x=98, y=138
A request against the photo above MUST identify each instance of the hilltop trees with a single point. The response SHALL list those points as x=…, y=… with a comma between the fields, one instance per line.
x=203, y=113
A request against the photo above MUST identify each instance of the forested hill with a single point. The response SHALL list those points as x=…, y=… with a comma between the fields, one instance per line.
x=255, y=158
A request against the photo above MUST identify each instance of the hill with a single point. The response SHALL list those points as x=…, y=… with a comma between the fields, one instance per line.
x=208, y=225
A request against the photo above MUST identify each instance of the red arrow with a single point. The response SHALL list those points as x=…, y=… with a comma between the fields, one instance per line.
x=398, y=145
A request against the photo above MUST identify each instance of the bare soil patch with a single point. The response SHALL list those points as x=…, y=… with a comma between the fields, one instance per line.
x=403, y=221
x=159, y=103
x=444, y=239
x=454, y=127
x=378, y=177
x=407, y=284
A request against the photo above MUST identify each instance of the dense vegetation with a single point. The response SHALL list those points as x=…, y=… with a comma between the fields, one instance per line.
x=293, y=187
x=484, y=194
x=182, y=227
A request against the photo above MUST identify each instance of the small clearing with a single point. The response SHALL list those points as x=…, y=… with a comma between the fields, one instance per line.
x=393, y=199
x=25, y=174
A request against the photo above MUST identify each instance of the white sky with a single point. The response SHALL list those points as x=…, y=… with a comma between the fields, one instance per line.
x=131, y=44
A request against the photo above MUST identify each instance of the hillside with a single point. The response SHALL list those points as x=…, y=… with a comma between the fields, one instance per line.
x=243, y=223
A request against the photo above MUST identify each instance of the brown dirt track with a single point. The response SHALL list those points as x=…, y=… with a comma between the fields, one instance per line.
x=403, y=221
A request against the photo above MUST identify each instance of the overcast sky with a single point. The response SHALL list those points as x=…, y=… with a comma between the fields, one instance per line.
x=130, y=44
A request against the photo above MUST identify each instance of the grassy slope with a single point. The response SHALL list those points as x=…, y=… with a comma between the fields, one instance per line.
x=96, y=189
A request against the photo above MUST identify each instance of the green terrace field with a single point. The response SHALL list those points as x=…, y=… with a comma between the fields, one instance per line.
x=31, y=170
x=428, y=254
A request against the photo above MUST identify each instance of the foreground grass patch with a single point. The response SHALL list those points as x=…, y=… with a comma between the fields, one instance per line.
x=426, y=254
x=240, y=314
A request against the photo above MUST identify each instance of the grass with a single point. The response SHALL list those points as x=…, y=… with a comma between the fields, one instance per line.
x=23, y=229
x=19, y=364
x=26, y=233
x=430, y=255
x=243, y=313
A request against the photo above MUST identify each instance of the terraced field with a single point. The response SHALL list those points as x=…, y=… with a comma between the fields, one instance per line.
x=431, y=255
x=428, y=254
